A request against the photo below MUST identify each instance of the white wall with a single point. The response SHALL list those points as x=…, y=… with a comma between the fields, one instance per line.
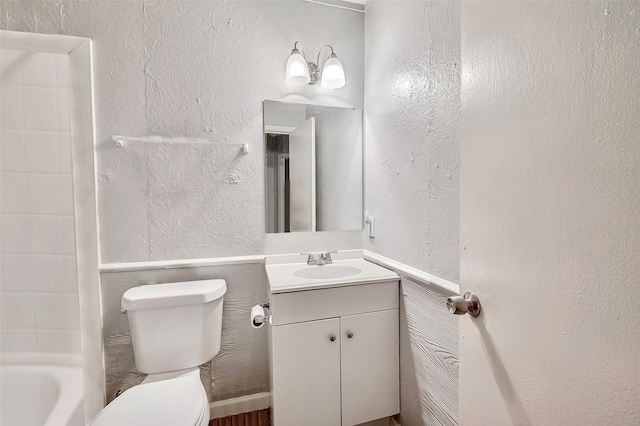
x=550, y=213
x=39, y=290
x=412, y=132
x=202, y=69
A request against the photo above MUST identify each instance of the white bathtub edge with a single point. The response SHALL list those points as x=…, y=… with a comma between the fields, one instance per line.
x=70, y=396
x=63, y=369
x=240, y=405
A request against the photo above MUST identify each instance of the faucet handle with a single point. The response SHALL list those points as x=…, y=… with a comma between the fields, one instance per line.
x=311, y=259
x=323, y=257
x=326, y=256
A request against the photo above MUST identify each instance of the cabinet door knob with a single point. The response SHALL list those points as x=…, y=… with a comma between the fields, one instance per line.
x=332, y=338
x=349, y=335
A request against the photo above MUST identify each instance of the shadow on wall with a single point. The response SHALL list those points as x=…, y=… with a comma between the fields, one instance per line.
x=514, y=405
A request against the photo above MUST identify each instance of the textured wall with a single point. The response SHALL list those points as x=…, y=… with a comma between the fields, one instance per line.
x=412, y=132
x=550, y=213
x=201, y=69
x=428, y=356
x=411, y=185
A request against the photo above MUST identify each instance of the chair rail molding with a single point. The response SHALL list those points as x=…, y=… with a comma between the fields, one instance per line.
x=411, y=272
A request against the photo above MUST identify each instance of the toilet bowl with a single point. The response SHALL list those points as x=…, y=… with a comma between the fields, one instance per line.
x=176, y=401
x=174, y=328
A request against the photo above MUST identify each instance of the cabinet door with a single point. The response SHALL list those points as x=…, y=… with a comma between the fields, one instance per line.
x=306, y=374
x=370, y=366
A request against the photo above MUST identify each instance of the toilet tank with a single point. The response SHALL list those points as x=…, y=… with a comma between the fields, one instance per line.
x=175, y=326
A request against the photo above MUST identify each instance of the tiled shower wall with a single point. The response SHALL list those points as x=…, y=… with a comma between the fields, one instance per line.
x=39, y=295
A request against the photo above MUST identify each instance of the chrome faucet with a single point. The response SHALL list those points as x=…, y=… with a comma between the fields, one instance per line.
x=322, y=259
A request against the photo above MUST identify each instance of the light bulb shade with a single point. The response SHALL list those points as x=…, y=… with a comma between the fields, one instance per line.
x=333, y=73
x=297, y=73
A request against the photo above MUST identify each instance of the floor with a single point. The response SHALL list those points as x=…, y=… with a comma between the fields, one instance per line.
x=254, y=418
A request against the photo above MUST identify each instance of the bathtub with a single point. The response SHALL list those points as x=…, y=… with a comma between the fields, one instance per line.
x=40, y=390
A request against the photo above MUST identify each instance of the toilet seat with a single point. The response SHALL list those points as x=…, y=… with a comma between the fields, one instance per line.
x=179, y=401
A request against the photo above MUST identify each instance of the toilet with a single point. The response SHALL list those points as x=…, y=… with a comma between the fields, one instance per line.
x=174, y=328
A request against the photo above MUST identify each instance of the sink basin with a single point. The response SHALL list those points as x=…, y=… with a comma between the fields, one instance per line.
x=327, y=272
x=290, y=272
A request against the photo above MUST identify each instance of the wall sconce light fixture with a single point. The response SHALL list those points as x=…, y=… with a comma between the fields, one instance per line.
x=300, y=72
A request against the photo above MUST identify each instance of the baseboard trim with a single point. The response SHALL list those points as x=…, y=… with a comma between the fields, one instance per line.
x=240, y=405
x=406, y=270
x=394, y=422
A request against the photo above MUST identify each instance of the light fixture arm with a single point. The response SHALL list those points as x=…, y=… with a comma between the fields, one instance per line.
x=295, y=46
x=321, y=49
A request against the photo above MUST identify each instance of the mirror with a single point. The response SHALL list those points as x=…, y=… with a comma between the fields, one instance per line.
x=313, y=167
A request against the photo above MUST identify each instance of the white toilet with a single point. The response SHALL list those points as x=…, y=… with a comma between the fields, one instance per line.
x=174, y=328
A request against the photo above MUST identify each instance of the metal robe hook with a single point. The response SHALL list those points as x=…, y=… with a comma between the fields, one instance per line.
x=468, y=303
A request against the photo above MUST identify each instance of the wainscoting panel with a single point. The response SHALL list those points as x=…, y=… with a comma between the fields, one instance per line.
x=428, y=356
x=239, y=369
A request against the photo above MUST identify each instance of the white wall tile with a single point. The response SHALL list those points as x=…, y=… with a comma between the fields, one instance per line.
x=43, y=194
x=40, y=105
x=51, y=310
x=13, y=193
x=19, y=340
x=63, y=110
x=11, y=105
x=13, y=157
x=42, y=151
x=16, y=272
x=70, y=274
x=62, y=70
x=39, y=69
x=47, y=274
x=38, y=302
x=75, y=346
x=64, y=152
x=55, y=341
x=3, y=322
x=68, y=239
x=10, y=62
x=73, y=312
x=19, y=310
x=65, y=194
x=15, y=234
x=45, y=234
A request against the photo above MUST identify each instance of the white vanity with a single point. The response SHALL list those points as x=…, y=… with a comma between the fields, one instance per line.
x=334, y=341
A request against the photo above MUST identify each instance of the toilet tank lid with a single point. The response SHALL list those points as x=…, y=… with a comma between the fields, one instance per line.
x=153, y=296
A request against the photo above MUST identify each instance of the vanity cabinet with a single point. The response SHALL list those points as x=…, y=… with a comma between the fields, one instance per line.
x=334, y=355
